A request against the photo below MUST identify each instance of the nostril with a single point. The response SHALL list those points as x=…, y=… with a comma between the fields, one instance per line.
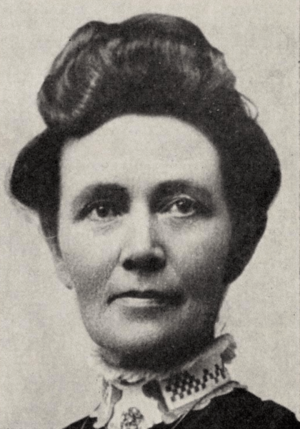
x=147, y=264
x=128, y=264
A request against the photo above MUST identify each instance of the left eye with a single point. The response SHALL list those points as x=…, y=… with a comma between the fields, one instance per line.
x=182, y=207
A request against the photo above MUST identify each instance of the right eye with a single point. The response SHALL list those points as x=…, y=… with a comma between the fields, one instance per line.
x=103, y=211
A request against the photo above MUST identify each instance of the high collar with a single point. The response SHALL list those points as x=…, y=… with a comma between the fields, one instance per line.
x=141, y=399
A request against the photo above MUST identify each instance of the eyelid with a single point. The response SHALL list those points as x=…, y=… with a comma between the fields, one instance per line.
x=96, y=193
x=166, y=202
x=87, y=209
x=176, y=188
x=200, y=207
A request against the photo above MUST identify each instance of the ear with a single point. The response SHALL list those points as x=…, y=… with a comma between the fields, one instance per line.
x=62, y=270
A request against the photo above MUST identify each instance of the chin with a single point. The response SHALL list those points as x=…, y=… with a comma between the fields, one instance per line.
x=155, y=353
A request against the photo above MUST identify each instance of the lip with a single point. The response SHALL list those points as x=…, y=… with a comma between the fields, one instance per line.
x=150, y=298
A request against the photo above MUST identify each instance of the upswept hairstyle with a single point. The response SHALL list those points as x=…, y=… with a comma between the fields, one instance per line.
x=154, y=65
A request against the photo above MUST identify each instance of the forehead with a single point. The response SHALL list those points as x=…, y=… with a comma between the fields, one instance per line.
x=141, y=149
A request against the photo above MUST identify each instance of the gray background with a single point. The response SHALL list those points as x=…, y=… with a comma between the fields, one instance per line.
x=45, y=377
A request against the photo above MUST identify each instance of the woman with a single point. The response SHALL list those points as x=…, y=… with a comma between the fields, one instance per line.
x=152, y=183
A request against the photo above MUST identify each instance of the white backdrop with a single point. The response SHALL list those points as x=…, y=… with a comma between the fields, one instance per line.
x=45, y=379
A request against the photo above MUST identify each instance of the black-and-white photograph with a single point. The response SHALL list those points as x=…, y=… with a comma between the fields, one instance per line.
x=149, y=214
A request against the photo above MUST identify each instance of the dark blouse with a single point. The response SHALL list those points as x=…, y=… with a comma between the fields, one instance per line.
x=236, y=410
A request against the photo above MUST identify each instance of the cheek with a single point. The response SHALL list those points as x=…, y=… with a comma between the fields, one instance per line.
x=89, y=266
x=201, y=255
x=89, y=280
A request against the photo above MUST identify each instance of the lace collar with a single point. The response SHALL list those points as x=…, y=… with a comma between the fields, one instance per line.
x=139, y=400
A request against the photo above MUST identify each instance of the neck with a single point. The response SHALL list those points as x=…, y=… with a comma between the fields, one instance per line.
x=159, y=358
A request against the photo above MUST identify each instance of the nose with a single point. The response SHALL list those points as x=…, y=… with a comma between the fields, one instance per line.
x=143, y=250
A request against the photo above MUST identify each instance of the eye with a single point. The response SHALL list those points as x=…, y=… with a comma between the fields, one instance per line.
x=102, y=211
x=185, y=207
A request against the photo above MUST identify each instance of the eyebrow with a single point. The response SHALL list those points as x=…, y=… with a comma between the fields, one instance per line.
x=162, y=190
x=98, y=191
x=173, y=187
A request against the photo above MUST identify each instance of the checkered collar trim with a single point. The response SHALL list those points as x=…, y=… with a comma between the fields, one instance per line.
x=166, y=397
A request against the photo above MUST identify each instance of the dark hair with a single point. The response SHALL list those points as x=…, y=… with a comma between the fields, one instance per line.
x=153, y=65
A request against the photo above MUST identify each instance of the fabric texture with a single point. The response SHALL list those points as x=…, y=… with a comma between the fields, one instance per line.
x=129, y=399
x=236, y=410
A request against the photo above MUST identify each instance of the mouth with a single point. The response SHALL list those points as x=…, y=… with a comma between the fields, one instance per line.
x=150, y=298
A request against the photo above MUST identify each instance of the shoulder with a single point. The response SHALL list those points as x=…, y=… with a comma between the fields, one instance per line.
x=85, y=423
x=243, y=410
x=237, y=410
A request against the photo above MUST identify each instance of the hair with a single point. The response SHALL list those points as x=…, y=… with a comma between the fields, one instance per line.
x=154, y=65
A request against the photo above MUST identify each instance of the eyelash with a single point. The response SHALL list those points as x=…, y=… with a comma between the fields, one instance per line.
x=87, y=210
x=196, y=207
x=165, y=208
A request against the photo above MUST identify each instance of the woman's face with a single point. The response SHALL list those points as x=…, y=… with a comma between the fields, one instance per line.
x=144, y=232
